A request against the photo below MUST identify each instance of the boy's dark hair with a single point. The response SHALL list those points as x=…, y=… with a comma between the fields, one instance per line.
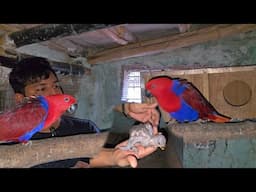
x=29, y=70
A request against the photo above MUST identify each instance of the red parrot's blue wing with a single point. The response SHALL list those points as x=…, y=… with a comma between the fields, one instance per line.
x=196, y=100
x=186, y=112
x=22, y=122
x=193, y=97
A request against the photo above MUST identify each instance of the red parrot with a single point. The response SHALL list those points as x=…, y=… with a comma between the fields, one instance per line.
x=182, y=100
x=20, y=123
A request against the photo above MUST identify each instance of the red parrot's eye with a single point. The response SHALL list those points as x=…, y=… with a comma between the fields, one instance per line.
x=153, y=86
x=66, y=99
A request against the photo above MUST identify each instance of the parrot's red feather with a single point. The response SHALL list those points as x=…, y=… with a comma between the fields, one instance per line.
x=167, y=99
x=21, y=119
x=58, y=104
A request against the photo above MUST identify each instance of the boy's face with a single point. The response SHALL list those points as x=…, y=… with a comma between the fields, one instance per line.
x=44, y=87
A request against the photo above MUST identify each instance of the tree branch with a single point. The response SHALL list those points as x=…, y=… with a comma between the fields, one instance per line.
x=52, y=149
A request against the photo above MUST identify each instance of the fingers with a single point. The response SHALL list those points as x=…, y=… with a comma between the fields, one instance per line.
x=155, y=130
x=147, y=106
x=152, y=105
x=142, y=117
x=154, y=119
x=132, y=161
x=141, y=107
x=144, y=151
x=151, y=116
x=124, y=143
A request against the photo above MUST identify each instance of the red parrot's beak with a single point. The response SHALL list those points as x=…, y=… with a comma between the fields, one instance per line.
x=148, y=94
x=72, y=109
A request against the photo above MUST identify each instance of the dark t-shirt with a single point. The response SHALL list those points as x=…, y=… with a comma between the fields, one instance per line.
x=68, y=126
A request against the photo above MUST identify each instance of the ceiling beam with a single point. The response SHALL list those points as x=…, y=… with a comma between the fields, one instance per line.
x=8, y=28
x=115, y=37
x=5, y=46
x=46, y=32
x=120, y=34
x=169, y=43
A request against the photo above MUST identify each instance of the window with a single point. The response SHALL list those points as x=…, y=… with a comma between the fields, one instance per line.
x=131, y=87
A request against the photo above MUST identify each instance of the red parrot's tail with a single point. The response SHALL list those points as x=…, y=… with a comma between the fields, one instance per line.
x=218, y=118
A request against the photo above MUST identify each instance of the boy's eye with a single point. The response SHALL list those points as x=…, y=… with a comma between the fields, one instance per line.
x=57, y=86
x=40, y=89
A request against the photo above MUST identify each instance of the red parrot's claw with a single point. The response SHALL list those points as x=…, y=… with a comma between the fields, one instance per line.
x=27, y=143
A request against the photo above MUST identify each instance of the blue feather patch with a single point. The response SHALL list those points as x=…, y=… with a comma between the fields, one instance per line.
x=28, y=135
x=185, y=113
x=177, y=87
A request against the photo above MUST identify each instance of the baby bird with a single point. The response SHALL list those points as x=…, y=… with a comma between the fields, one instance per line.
x=143, y=134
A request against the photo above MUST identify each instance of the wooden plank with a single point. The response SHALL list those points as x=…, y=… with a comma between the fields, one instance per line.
x=205, y=89
x=169, y=43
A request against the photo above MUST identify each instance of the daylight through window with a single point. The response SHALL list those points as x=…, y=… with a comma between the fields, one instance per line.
x=131, y=87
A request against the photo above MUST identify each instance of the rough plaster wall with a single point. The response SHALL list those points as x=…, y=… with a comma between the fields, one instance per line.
x=99, y=93
x=233, y=153
x=102, y=90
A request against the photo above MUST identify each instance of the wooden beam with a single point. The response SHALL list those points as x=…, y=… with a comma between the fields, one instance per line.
x=6, y=46
x=115, y=37
x=170, y=43
x=120, y=34
x=46, y=32
x=8, y=28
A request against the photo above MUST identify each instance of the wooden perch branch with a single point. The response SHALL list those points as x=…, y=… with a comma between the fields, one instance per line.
x=52, y=149
x=200, y=132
